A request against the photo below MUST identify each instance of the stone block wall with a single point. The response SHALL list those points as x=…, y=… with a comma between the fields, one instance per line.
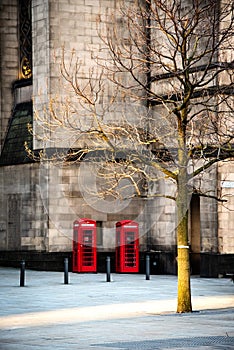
x=66, y=201
x=73, y=26
x=61, y=27
x=23, y=220
x=9, y=69
x=41, y=61
x=226, y=209
x=206, y=183
x=39, y=202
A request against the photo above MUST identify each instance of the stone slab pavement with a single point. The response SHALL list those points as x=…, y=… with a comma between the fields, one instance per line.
x=129, y=312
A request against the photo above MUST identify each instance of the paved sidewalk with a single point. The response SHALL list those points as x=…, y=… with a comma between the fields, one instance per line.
x=127, y=313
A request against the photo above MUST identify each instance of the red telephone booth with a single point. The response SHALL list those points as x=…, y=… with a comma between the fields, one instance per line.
x=127, y=246
x=84, y=246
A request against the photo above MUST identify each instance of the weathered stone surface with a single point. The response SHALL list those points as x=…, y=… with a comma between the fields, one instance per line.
x=39, y=202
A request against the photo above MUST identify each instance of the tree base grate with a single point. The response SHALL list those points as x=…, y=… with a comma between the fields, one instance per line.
x=178, y=343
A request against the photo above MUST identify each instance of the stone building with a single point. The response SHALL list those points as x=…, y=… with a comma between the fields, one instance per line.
x=40, y=200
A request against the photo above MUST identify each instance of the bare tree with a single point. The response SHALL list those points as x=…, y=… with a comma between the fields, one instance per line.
x=158, y=104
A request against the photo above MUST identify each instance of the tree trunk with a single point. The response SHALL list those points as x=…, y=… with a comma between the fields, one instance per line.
x=184, y=291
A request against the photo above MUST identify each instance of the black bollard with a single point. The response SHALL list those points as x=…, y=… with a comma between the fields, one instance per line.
x=66, y=271
x=147, y=268
x=108, y=270
x=22, y=273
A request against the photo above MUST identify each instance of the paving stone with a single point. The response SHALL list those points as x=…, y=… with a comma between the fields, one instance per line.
x=127, y=313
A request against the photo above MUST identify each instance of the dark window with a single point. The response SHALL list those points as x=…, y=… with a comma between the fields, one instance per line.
x=99, y=233
x=25, y=39
x=18, y=136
